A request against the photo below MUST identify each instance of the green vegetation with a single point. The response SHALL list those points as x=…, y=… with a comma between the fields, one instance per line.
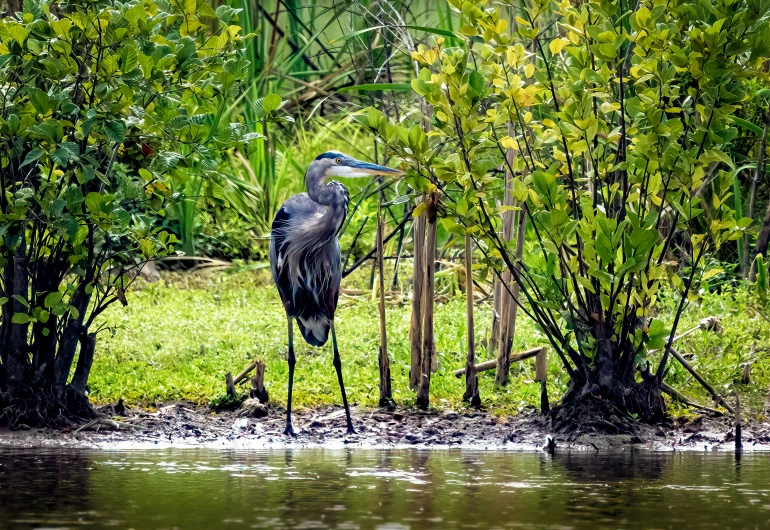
x=178, y=338
x=607, y=158
x=611, y=124
x=95, y=128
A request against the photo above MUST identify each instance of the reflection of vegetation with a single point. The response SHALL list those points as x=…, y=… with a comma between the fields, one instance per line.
x=312, y=488
x=177, y=340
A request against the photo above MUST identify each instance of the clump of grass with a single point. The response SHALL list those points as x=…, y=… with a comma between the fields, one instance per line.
x=179, y=337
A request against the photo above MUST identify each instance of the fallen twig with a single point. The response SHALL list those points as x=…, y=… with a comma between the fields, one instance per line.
x=719, y=400
x=106, y=422
x=677, y=395
x=489, y=365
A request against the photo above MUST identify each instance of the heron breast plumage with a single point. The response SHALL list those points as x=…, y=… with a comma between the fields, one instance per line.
x=305, y=260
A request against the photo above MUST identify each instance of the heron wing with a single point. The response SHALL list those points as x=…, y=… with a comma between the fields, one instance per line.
x=305, y=262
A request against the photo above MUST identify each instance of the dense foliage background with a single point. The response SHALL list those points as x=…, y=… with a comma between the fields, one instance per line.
x=625, y=143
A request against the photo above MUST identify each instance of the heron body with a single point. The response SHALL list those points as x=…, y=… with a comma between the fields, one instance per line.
x=305, y=255
x=308, y=274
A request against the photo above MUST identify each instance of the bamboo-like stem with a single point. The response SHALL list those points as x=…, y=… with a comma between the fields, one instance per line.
x=764, y=233
x=386, y=393
x=509, y=320
x=429, y=287
x=428, y=344
x=418, y=277
x=471, y=395
x=756, y=179
x=509, y=221
x=497, y=294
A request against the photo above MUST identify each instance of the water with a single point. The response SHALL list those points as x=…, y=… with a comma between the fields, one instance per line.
x=386, y=490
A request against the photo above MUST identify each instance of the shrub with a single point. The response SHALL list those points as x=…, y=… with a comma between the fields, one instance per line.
x=607, y=120
x=81, y=88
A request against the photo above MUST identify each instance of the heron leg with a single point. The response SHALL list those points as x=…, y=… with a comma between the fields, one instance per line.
x=338, y=367
x=289, y=430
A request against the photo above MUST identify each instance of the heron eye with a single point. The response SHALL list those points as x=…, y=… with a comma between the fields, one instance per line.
x=339, y=161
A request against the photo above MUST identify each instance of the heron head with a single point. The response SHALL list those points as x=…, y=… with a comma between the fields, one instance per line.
x=336, y=164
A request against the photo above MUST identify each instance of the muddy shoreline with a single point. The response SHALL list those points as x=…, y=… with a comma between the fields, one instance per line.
x=184, y=425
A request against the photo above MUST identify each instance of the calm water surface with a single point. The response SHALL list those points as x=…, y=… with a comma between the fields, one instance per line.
x=396, y=489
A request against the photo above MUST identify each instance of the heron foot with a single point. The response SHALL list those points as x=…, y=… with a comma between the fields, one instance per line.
x=289, y=431
x=351, y=430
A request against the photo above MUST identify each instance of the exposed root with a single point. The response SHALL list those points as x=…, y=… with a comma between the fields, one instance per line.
x=42, y=408
x=592, y=412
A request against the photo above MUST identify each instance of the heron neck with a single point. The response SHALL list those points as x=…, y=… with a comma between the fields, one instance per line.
x=333, y=195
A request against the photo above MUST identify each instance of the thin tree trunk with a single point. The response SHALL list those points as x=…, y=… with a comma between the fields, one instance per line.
x=762, y=242
x=16, y=365
x=428, y=344
x=418, y=277
x=758, y=174
x=386, y=393
x=504, y=332
x=7, y=309
x=85, y=361
x=471, y=379
x=428, y=299
x=495, y=333
x=11, y=7
x=509, y=322
x=69, y=341
x=764, y=233
x=399, y=250
x=44, y=352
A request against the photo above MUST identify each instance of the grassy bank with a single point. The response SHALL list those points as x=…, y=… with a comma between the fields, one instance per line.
x=178, y=337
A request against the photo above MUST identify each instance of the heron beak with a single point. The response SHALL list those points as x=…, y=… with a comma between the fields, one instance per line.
x=357, y=168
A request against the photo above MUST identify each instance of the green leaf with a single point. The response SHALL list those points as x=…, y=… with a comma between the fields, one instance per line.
x=21, y=300
x=94, y=202
x=271, y=102
x=32, y=156
x=476, y=83
x=115, y=131
x=227, y=14
x=66, y=152
x=130, y=58
x=135, y=14
x=21, y=318
x=185, y=50
x=147, y=247
x=52, y=299
x=747, y=125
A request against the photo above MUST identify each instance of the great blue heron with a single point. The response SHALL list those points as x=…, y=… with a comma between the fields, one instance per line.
x=305, y=256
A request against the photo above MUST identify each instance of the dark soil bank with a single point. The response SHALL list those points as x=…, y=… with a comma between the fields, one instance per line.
x=182, y=424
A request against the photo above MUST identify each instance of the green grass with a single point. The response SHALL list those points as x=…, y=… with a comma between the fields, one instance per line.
x=178, y=338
